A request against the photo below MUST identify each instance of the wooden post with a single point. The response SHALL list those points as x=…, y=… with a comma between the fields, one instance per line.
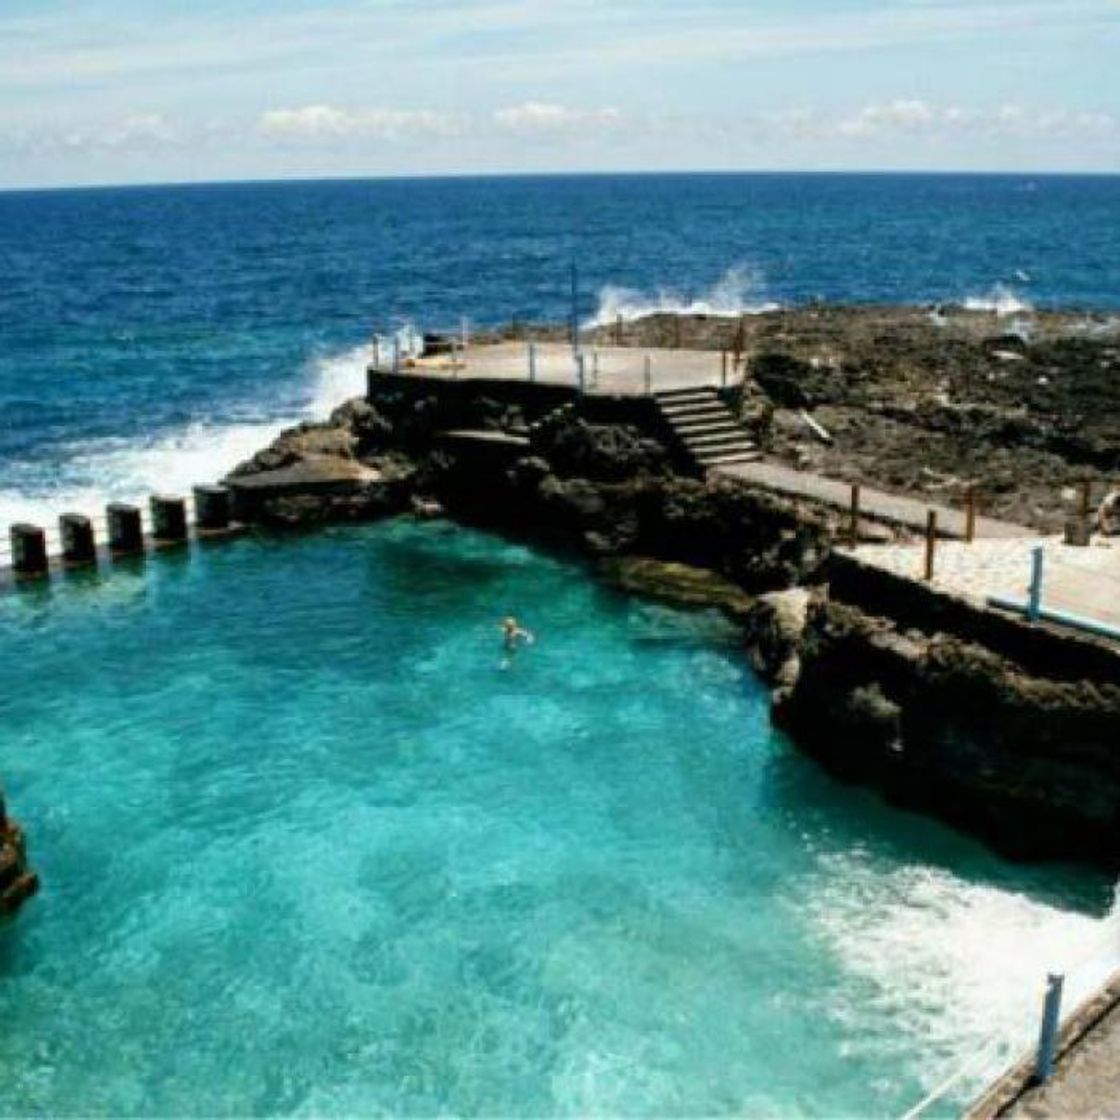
x=931, y=542
x=1086, y=499
x=854, y=528
x=970, y=514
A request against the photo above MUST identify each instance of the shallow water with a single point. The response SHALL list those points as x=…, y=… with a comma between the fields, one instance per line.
x=311, y=846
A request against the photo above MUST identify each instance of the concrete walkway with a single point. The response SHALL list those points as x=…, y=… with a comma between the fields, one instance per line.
x=1087, y=1082
x=1078, y=581
x=875, y=505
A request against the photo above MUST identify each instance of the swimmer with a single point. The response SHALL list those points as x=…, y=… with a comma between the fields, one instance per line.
x=514, y=634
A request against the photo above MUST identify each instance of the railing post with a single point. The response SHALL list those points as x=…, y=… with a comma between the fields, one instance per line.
x=931, y=542
x=854, y=527
x=1048, y=1033
x=1034, y=603
x=580, y=372
x=647, y=374
x=723, y=369
x=595, y=369
x=532, y=361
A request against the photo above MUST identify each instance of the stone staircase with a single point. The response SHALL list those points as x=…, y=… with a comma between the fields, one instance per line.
x=706, y=428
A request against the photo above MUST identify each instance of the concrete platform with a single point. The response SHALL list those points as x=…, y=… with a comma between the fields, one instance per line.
x=613, y=370
x=1078, y=581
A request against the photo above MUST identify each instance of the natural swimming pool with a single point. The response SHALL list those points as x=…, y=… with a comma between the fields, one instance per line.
x=309, y=846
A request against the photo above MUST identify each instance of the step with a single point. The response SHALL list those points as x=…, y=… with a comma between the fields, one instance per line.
x=701, y=408
x=671, y=395
x=716, y=439
x=729, y=459
x=716, y=423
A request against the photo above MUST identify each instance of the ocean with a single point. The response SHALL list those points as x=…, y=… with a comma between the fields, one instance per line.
x=311, y=845
x=155, y=336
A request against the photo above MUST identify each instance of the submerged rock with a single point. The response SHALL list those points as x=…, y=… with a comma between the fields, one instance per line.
x=675, y=583
x=17, y=882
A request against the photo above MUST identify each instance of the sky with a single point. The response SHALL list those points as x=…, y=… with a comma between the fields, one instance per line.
x=139, y=91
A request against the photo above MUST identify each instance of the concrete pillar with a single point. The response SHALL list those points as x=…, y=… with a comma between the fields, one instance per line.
x=212, y=507
x=78, y=545
x=126, y=533
x=29, y=550
x=169, y=519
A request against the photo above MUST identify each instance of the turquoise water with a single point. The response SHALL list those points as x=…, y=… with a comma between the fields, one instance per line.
x=311, y=846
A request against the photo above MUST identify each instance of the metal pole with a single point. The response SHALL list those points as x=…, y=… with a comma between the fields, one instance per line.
x=931, y=542
x=580, y=372
x=1048, y=1033
x=575, y=308
x=1034, y=603
x=970, y=515
x=854, y=530
x=377, y=351
x=465, y=335
x=648, y=374
x=532, y=361
x=396, y=353
x=618, y=331
x=595, y=368
x=723, y=368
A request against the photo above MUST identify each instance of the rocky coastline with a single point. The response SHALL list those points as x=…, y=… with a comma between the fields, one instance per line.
x=1013, y=740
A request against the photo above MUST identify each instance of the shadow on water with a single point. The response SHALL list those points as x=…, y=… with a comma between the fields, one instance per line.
x=843, y=818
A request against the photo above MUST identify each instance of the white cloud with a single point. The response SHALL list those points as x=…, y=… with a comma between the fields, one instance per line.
x=326, y=123
x=1014, y=121
x=536, y=117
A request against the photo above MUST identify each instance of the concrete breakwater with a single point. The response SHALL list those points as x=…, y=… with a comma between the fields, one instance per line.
x=1004, y=728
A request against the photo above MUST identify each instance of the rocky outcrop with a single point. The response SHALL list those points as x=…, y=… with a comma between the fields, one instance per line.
x=951, y=728
x=987, y=729
x=17, y=882
x=774, y=628
x=580, y=473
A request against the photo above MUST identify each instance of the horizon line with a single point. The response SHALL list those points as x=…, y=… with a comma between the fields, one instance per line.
x=157, y=184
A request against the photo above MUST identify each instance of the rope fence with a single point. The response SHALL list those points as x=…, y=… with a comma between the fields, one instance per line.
x=1044, y=1012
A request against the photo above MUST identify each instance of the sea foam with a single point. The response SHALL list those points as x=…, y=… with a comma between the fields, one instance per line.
x=1001, y=300
x=740, y=291
x=100, y=471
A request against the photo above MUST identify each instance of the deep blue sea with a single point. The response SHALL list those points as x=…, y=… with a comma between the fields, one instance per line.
x=311, y=845
x=157, y=334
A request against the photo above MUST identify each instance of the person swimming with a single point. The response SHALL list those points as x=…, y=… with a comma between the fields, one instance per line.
x=514, y=634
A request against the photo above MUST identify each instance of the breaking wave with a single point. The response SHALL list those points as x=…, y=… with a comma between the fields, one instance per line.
x=740, y=291
x=1001, y=300
x=100, y=471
